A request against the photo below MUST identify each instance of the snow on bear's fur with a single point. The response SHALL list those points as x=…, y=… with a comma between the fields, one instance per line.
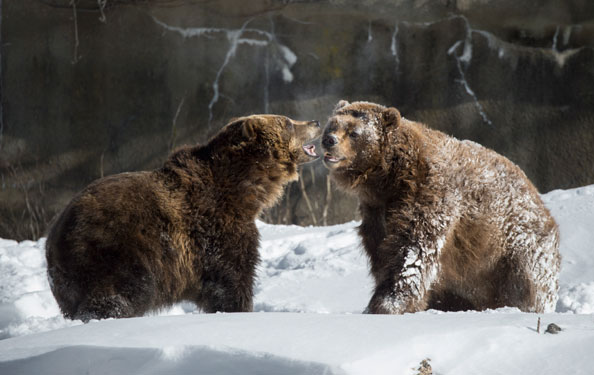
x=447, y=224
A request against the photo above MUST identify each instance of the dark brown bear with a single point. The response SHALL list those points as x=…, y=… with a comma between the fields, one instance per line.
x=136, y=242
x=447, y=224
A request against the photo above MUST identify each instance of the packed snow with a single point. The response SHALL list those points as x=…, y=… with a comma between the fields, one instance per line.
x=313, y=284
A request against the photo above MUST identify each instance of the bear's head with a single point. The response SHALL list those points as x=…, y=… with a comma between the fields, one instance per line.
x=354, y=138
x=266, y=147
x=280, y=137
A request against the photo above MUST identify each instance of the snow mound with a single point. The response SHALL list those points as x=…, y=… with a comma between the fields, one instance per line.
x=318, y=278
x=498, y=342
x=574, y=212
x=77, y=359
x=577, y=298
x=305, y=269
x=26, y=302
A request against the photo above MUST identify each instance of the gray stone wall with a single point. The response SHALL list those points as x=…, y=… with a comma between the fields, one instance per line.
x=88, y=91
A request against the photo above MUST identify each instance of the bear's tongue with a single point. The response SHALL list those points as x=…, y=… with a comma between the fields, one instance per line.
x=310, y=150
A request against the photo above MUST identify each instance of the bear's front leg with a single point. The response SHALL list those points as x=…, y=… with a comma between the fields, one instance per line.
x=228, y=270
x=404, y=280
x=225, y=295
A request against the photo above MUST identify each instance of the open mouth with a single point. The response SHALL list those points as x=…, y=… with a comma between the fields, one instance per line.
x=331, y=159
x=310, y=150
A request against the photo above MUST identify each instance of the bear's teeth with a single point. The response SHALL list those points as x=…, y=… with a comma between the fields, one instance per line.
x=331, y=158
x=310, y=150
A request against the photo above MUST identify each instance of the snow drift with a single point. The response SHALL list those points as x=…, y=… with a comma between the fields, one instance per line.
x=312, y=285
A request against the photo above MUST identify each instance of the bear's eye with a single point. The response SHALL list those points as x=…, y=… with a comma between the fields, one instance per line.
x=354, y=134
x=357, y=114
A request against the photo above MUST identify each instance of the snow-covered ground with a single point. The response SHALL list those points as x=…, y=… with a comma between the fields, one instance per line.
x=312, y=286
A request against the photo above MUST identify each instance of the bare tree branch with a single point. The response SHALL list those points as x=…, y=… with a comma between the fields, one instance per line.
x=174, y=124
x=76, y=42
x=328, y=200
x=101, y=172
x=101, y=4
x=306, y=197
x=1, y=91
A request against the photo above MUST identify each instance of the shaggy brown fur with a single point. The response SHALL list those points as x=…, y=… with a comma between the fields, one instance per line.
x=447, y=224
x=136, y=242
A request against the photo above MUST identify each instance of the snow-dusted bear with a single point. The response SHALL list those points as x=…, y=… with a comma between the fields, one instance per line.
x=447, y=224
x=136, y=242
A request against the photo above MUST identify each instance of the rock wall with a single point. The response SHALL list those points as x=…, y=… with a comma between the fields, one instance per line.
x=104, y=87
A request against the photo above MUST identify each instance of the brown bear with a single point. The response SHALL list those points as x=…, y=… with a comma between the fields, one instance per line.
x=446, y=224
x=136, y=242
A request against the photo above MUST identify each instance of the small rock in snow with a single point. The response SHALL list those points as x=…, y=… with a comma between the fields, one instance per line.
x=425, y=368
x=553, y=329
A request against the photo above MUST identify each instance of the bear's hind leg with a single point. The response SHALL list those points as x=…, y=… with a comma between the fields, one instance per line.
x=513, y=286
x=66, y=291
x=119, y=296
x=225, y=297
x=446, y=300
x=117, y=302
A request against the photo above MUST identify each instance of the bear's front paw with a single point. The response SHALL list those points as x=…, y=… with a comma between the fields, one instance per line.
x=385, y=305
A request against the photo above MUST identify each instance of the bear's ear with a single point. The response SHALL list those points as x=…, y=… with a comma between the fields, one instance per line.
x=391, y=117
x=248, y=128
x=341, y=103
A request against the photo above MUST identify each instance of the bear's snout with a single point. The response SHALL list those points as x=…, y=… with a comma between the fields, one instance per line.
x=329, y=141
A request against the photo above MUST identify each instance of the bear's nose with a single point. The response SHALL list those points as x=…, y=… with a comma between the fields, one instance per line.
x=329, y=140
